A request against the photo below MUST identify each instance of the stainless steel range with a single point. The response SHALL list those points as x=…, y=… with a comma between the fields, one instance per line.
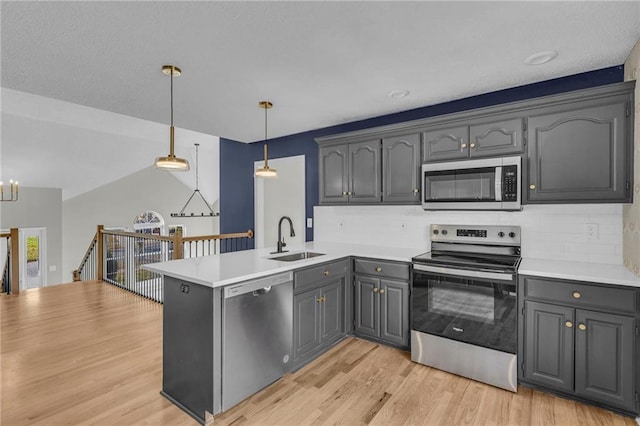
x=463, y=303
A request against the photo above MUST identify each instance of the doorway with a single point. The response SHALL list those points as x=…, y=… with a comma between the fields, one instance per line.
x=33, y=257
x=277, y=197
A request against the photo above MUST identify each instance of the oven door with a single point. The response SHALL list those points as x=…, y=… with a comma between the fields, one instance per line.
x=475, y=307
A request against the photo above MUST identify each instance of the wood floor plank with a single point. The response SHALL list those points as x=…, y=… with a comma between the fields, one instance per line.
x=91, y=354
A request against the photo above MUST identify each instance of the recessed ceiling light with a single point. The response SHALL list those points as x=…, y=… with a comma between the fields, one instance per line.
x=541, y=57
x=398, y=94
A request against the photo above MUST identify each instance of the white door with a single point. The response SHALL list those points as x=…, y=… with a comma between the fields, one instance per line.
x=283, y=195
x=32, y=258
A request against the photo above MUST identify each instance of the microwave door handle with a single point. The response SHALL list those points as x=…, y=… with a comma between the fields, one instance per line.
x=499, y=183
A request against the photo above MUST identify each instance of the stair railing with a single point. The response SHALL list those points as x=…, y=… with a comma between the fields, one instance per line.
x=117, y=257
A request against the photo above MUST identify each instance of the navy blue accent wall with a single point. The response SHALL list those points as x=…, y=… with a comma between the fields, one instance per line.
x=237, y=159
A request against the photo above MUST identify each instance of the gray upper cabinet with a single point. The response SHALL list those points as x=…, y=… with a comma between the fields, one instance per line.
x=364, y=172
x=577, y=147
x=401, y=169
x=581, y=154
x=334, y=174
x=449, y=143
x=496, y=138
x=350, y=173
x=500, y=136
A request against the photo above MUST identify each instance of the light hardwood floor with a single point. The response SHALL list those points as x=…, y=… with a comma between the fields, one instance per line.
x=91, y=354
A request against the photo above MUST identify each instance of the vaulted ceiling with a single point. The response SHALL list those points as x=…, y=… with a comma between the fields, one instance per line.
x=320, y=63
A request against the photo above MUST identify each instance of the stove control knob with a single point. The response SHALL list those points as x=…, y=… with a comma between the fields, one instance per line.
x=444, y=232
x=500, y=234
x=512, y=234
x=436, y=232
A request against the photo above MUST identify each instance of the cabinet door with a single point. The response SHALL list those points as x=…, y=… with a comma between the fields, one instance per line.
x=334, y=172
x=306, y=320
x=332, y=310
x=496, y=138
x=604, y=358
x=445, y=144
x=367, y=305
x=578, y=156
x=401, y=169
x=548, y=345
x=394, y=312
x=364, y=172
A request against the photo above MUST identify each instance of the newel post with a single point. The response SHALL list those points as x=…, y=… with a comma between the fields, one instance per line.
x=100, y=254
x=177, y=245
x=15, y=261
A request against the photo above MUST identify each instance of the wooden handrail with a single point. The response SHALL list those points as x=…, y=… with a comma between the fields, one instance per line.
x=6, y=235
x=248, y=234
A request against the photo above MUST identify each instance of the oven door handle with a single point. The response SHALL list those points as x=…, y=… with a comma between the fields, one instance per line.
x=465, y=272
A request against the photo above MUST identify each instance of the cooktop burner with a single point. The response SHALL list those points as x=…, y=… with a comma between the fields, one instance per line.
x=487, y=247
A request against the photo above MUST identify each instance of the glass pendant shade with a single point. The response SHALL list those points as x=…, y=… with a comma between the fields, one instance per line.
x=171, y=162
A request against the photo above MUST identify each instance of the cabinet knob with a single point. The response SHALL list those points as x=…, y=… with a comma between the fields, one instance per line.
x=416, y=190
x=464, y=145
x=325, y=273
x=351, y=193
x=375, y=289
x=378, y=269
x=319, y=300
x=532, y=186
x=324, y=299
x=382, y=291
x=568, y=324
x=473, y=145
x=576, y=295
x=344, y=193
x=582, y=327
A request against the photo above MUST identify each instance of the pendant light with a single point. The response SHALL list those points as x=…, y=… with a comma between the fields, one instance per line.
x=171, y=162
x=265, y=171
x=196, y=191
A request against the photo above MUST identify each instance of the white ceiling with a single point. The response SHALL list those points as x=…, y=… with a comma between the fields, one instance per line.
x=54, y=144
x=321, y=63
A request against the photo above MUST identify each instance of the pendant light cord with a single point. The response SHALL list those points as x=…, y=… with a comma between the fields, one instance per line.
x=265, y=125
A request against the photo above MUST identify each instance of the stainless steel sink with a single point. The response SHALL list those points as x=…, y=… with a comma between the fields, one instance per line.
x=296, y=256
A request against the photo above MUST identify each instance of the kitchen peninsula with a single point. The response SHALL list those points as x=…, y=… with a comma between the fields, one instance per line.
x=219, y=348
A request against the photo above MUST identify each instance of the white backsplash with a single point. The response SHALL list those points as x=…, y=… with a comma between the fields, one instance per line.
x=556, y=232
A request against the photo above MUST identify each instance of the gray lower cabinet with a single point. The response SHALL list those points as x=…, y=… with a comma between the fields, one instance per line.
x=382, y=301
x=576, y=339
x=401, y=169
x=382, y=310
x=581, y=154
x=319, y=309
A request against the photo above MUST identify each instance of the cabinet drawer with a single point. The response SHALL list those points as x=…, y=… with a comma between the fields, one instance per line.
x=581, y=294
x=382, y=268
x=319, y=275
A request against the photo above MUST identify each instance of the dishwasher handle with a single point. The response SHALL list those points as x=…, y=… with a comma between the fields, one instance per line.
x=261, y=291
x=258, y=286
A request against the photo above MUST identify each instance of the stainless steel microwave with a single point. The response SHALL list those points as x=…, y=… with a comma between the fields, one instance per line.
x=484, y=184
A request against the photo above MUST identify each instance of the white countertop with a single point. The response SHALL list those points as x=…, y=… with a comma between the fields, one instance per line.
x=230, y=268
x=579, y=271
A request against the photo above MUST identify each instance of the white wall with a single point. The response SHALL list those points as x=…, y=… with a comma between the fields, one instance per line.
x=548, y=231
x=117, y=204
x=280, y=196
x=40, y=207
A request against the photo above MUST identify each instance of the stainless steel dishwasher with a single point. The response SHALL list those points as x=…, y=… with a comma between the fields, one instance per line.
x=257, y=335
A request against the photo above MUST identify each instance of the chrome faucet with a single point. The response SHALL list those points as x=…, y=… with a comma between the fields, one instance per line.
x=281, y=242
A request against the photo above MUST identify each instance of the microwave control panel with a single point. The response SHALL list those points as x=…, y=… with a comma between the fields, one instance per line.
x=510, y=183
